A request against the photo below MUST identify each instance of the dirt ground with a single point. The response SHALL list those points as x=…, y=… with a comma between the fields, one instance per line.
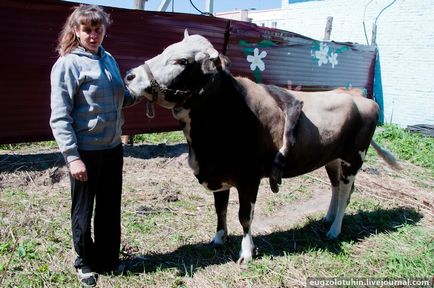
x=160, y=173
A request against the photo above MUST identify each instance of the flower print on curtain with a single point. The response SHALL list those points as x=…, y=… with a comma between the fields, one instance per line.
x=255, y=56
x=323, y=54
x=256, y=60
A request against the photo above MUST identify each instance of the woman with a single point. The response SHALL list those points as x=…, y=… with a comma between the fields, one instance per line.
x=87, y=96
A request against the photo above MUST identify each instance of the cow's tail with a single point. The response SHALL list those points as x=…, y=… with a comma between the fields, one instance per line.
x=386, y=155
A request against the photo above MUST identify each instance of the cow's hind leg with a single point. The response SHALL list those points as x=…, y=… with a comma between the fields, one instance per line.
x=221, y=200
x=247, y=199
x=347, y=173
x=333, y=171
x=346, y=187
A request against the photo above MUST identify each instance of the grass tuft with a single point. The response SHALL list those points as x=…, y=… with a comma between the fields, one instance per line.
x=413, y=147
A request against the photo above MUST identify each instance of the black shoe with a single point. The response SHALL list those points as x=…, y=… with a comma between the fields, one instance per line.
x=87, y=277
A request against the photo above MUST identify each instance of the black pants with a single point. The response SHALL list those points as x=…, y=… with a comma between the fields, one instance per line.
x=104, y=187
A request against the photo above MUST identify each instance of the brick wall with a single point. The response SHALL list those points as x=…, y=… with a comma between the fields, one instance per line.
x=405, y=39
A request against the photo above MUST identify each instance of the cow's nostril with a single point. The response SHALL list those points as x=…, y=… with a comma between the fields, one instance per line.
x=130, y=77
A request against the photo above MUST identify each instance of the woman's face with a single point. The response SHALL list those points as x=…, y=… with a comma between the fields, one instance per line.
x=90, y=37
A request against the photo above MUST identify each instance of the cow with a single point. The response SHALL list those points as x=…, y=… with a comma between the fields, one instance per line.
x=235, y=129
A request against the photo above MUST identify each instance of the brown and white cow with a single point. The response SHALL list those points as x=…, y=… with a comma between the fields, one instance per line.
x=235, y=128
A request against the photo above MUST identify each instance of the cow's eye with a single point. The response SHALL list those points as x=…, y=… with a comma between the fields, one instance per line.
x=182, y=61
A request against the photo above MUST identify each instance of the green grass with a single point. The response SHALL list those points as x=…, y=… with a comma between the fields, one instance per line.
x=285, y=196
x=152, y=138
x=163, y=137
x=406, y=252
x=413, y=147
x=30, y=145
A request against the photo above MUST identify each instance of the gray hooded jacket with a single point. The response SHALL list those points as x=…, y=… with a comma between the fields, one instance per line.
x=87, y=96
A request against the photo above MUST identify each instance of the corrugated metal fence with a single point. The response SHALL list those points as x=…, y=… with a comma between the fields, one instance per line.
x=29, y=32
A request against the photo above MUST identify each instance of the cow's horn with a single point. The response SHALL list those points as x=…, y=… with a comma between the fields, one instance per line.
x=186, y=33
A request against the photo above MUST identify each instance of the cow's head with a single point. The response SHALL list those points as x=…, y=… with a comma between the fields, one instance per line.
x=180, y=70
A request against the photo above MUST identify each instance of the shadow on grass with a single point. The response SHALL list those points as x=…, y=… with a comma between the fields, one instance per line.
x=42, y=161
x=149, y=151
x=188, y=259
x=30, y=162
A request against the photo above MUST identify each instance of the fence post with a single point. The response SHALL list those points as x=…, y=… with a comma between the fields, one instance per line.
x=328, y=28
x=139, y=4
x=374, y=34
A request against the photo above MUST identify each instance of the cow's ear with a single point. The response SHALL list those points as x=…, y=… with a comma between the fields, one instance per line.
x=186, y=33
x=225, y=62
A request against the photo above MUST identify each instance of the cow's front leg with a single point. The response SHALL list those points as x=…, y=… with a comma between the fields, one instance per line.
x=247, y=199
x=221, y=200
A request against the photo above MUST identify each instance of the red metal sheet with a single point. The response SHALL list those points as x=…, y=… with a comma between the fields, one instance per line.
x=29, y=32
x=291, y=59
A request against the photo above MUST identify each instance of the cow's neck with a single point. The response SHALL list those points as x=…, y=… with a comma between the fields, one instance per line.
x=215, y=100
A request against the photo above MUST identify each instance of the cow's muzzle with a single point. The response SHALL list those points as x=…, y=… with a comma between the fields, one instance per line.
x=159, y=92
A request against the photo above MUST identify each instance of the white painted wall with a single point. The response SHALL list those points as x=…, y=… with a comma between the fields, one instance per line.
x=405, y=39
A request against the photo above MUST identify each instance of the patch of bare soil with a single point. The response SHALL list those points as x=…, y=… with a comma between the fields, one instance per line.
x=156, y=174
x=31, y=169
x=407, y=186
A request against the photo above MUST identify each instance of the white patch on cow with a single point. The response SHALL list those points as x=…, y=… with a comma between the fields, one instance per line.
x=165, y=67
x=343, y=196
x=138, y=85
x=284, y=149
x=183, y=115
x=219, y=238
x=247, y=245
x=362, y=155
x=225, y=186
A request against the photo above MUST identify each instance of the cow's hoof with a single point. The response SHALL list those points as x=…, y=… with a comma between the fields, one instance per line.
x=247, y=256
x=240, y=261
x=219, y=239
x=273, y=185
x=216, y=245
x=332, y=235
x=243, y=261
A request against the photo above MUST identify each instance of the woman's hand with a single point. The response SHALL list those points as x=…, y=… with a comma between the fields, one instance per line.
x=78, y=170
